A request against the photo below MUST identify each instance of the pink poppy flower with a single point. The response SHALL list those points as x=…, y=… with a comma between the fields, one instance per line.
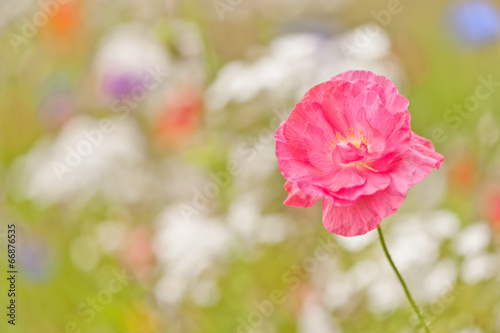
x=349, y=142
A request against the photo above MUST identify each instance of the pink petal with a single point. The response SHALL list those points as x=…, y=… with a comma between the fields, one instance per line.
x=315, y=94
x=302, y=114
x=292, y=165
x=391, y=99
x=347, y=176
x=362, y=216
x=416, y=164
x=375, y=182
x=333, y=107
x=319, y=148
x=297, y=198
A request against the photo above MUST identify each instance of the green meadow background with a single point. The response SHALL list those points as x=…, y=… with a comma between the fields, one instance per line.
x=137, y=165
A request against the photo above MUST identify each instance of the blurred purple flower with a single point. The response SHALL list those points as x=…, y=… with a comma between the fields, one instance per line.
x=120, y=85
x=474, y=22
x=123, y=58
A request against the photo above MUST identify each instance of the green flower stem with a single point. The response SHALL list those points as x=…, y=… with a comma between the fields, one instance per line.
x=407, y=292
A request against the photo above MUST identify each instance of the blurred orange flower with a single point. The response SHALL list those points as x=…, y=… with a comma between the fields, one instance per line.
x=463, y=171
x=65, y=21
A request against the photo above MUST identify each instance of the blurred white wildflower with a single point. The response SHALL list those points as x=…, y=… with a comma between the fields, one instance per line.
x=205, y=293
x=441, y=224
x=107, y=163
x=479, y=267
x=245, y=219
x=473, y=239
x=365, y=273
x=110, y=235
x=339, y=291
x=189, y=44
x=471, y=329
x=488, y=129
x=296, y=62
x=412, y=247
x=438, y=281
x=12, y=10
x=185, y=252
x=384, y=295
x=357, y=243
x=313, y=317
x=256, y=159
x=414, y=241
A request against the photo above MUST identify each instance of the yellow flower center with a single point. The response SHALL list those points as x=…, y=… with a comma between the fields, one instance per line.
x=350, y=136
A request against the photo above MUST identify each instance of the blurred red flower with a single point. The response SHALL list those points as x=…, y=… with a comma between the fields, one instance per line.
x=490, y=203
x=180, y=117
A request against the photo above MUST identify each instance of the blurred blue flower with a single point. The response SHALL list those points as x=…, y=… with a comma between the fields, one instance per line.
x=57, y=100
x=35, y=260
x=57, y=107
x=474, y=22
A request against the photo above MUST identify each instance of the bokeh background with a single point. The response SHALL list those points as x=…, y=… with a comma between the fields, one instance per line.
x=137, y=162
